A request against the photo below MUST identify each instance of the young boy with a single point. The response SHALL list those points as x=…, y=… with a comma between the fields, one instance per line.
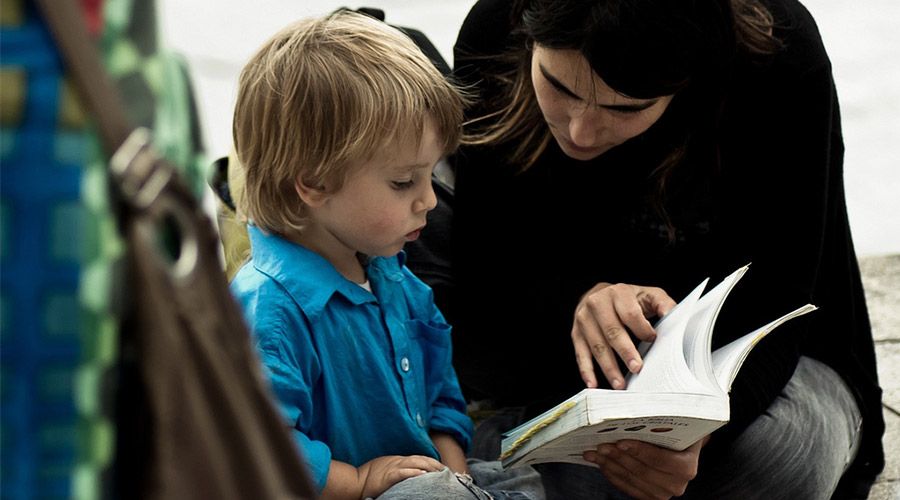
x=338, y=124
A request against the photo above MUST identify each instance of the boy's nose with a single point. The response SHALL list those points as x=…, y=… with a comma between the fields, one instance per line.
x=428, y=200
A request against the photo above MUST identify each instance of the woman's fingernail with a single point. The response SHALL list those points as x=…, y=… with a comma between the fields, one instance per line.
x=634, y=365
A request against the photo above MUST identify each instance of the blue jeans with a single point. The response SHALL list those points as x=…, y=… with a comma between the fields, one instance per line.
x=487, y=481
x=798, y=449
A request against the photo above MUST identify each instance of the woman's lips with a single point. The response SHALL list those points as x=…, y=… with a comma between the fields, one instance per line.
x=571, y=145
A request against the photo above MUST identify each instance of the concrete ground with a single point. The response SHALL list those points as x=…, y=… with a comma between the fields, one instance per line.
x=881, y=278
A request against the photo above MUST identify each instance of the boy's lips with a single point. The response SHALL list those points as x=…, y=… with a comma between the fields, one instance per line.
x=413, y=236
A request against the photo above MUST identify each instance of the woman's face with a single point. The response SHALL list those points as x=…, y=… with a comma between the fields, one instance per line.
x=585, y=115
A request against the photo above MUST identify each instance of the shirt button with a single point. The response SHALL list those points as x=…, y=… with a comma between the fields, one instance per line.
x=420, y=420
x=404, y=364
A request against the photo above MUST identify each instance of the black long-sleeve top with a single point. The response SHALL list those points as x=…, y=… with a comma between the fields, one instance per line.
x=526, y=246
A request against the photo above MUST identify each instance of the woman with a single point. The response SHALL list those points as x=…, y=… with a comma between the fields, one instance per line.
x=651, y=144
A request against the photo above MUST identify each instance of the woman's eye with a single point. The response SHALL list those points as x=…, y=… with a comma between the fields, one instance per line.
x=562, y=91
x=401, y=185
x=626, y=111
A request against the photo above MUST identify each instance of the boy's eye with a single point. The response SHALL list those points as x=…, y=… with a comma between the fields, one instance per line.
x=401, y=185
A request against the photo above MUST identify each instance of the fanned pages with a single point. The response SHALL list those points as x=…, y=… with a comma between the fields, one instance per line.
x=680, y=395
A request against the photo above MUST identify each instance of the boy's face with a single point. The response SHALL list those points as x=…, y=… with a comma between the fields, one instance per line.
x=382, y=205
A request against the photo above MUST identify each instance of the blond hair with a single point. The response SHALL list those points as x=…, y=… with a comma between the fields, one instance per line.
x=321, y=97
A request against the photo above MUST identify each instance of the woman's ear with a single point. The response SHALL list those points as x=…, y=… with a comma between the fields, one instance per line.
x=312, y=196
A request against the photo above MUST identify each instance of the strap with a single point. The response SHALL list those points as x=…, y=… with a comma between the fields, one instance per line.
x=67, y=24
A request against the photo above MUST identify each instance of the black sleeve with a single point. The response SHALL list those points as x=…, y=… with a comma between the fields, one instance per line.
x=778, y=219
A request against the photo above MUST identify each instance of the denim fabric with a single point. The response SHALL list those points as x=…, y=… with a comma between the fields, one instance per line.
x=486, y=481
x=797, y=450
x=812, y=431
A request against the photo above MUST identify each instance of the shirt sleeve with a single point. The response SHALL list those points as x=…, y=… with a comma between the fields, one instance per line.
x=447, y=407
x=291, y=364
x=787, y=236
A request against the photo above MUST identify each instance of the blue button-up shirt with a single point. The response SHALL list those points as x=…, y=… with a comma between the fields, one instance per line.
x=357, y=374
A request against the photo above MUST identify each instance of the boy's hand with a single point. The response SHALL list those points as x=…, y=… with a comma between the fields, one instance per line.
x=379, y=474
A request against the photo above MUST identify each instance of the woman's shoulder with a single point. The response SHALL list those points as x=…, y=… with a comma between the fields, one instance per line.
x=802, y=46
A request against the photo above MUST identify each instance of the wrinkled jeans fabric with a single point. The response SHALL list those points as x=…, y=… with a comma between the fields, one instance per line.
x=485, y=481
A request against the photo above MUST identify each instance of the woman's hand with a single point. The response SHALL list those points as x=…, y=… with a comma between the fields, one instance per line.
x=645, y=471
x=603, y=319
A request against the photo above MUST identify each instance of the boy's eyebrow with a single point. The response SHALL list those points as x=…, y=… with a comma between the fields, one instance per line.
x=410, y=167
x=640, y=106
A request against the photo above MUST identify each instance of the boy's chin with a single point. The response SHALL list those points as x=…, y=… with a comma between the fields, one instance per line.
x=385, y=252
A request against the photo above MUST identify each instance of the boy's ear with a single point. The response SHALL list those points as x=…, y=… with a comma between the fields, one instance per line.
x=312, y=196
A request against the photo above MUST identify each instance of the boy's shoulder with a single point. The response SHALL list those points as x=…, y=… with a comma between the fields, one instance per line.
x=417, y=293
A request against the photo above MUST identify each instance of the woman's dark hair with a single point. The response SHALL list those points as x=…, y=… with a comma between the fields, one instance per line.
x=642, y=49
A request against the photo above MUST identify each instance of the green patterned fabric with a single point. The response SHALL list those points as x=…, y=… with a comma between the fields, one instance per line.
x=59, y=244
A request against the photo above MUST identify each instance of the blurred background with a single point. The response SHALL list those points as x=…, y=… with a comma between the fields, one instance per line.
x=58, y=244
x=863, y=41
x=218, y=36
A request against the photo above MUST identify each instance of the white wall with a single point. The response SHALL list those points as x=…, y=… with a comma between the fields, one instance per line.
x=217, y=36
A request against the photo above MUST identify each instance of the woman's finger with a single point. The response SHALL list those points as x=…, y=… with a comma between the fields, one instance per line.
x=621, y=478
x=630, y=311
x=606, y=314
x=583, y=358
x=586, y=322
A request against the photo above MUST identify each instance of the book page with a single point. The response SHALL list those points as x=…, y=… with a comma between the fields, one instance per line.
x=672, y=421
x=699, y=331
x=727, y=360
x=665, y=369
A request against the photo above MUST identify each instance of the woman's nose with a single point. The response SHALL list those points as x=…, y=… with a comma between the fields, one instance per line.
x=585, y=128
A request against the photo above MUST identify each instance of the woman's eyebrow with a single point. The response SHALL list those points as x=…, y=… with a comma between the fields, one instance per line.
x=556, y=83
x=639, y=106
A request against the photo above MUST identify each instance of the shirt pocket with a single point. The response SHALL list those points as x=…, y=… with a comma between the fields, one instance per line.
x=432, y=346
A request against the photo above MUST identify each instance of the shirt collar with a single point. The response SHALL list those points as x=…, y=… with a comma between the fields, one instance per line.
x=307, y=276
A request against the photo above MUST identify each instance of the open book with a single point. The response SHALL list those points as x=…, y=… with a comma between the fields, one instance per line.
x=679, y=396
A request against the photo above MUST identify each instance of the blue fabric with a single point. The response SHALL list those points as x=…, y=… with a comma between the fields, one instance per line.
x=40, y=353
x=357, y=375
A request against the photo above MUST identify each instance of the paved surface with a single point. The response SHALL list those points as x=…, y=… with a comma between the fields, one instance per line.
x=881, y=277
